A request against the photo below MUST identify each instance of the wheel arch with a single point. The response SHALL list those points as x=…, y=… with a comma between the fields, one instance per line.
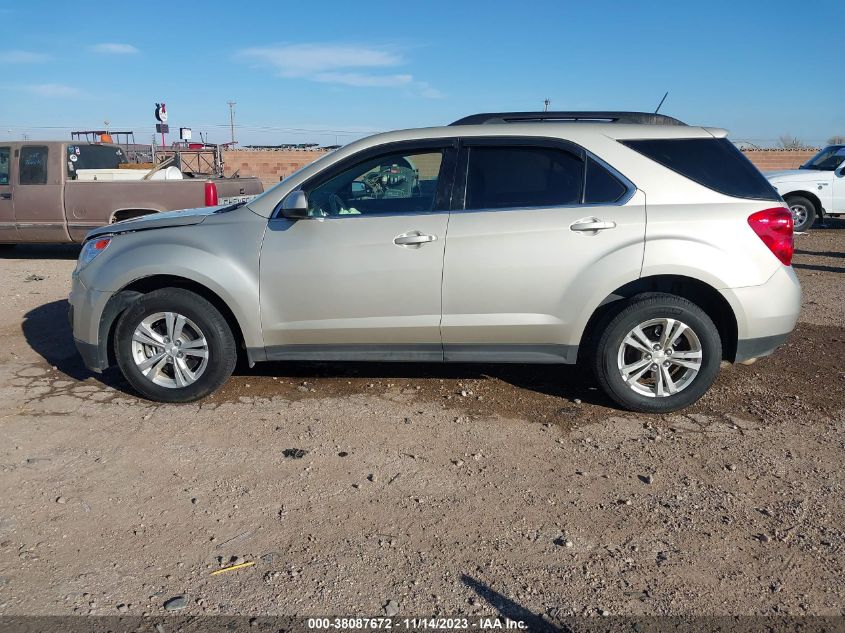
x=133, y=291
x=118, y=215
x=699, y=292
x=811, y=197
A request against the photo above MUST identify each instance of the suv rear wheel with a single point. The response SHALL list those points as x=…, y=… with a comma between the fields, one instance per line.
x=173, y=345
x=660, y=353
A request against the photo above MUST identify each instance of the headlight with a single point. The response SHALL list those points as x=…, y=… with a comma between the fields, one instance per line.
x=91, y=249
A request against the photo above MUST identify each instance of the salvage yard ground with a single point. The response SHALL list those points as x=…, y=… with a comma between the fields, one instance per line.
x=419, y=489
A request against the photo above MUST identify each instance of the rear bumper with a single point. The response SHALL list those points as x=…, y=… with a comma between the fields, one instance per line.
x=756, y=347
x=765, y=314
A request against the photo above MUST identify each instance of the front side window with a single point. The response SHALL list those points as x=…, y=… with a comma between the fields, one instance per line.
x=522, y=176
x=403, y=182
x=33, y=165
x=4, y=165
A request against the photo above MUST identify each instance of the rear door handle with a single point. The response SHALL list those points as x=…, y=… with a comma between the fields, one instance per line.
x=413, y=238
x=592, y=224
x=6, y=196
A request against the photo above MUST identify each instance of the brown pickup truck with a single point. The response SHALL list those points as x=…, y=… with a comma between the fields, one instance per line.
x=57, y=191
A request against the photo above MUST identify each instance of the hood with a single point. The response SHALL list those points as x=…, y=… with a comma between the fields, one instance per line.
x=800, y=175
x=186, y=217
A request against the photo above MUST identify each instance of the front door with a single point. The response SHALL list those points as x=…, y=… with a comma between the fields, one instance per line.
x=532, y=243
x=360, y=278
x=8, y=232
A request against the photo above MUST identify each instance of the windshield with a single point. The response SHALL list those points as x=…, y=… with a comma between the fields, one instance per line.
x=830, y=158
x=93, y=157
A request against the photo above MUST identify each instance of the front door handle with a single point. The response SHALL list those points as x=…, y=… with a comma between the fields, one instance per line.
x=413, y=238
x=592, y=225
x=5, y=196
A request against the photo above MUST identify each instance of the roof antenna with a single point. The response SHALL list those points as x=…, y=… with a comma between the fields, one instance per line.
x=661, y=102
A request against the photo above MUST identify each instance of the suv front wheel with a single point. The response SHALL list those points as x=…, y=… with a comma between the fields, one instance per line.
x=172, y=345
x=659, y=354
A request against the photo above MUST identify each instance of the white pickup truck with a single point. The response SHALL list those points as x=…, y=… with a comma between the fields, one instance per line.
x=816, y=189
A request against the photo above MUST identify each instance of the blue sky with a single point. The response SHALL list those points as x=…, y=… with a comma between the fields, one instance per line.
x=333, y=71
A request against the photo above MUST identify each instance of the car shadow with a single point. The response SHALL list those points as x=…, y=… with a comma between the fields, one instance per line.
x=820, y=253
x=48, y=332
x=560, y=381
x=824, y=269
x=40, y=251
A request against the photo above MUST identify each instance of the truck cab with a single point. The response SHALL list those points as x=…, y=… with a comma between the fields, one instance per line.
x=815, y=189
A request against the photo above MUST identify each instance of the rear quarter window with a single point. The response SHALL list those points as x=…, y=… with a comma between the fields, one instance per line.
x=713, y=162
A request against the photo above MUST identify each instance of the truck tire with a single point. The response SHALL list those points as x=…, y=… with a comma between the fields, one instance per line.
x=804, y=212
x=660, y=353
x=172, y=345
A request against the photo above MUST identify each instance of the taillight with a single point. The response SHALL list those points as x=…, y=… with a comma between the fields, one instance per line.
x=210, y=194
x=774, y=227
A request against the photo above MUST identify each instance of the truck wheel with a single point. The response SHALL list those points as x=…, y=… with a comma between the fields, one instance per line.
x=172, y=345
x=803, y=212
x=660, y=353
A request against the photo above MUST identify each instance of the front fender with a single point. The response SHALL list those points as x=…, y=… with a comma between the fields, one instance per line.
x=220, y=255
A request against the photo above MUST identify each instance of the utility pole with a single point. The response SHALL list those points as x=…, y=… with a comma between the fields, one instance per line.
x=232, y=119
x=546, y=104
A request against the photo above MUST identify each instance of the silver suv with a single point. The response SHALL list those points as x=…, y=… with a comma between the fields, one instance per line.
x=646, y=248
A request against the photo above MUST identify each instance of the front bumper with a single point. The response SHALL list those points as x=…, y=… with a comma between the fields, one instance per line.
x=86, y=319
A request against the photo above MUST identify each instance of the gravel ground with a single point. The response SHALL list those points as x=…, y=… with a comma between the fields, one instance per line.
x=373, y=489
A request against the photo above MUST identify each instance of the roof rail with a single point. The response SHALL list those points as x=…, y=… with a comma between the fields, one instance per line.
x=647, y=118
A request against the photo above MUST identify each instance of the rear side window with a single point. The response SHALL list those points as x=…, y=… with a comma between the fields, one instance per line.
x=713, y=162
x=515, y=176
x=33, y=167
x=602, y=186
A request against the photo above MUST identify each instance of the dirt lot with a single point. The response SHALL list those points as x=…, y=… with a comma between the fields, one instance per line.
x=528, y=495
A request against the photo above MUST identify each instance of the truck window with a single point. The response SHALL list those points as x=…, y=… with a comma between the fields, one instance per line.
x=33, y=165
x=93, y=157
x=4, y=165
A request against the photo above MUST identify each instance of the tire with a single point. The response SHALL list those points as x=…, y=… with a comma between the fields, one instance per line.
x=804, y=212
x=149, y=358
x=699, y=345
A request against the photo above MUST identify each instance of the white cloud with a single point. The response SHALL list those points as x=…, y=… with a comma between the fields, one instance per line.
x=346, y=65
x=23, y=57
x=111, y=48
x=51, y=90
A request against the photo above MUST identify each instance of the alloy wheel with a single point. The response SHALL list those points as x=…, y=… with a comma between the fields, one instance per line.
x=170, y=350
x=659, y=357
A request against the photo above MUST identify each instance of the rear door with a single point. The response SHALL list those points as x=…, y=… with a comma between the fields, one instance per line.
x=540, y=228
x=39, y=199
x=8, y=232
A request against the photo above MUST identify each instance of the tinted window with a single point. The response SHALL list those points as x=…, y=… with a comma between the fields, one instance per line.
x=393, y=183
x=602, y=186
x=713, y=162
x=499, y=177
x=4, y=165
x=33, y=166
x=93, y=157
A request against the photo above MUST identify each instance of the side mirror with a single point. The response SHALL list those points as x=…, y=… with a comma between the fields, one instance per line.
x=295, y=205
